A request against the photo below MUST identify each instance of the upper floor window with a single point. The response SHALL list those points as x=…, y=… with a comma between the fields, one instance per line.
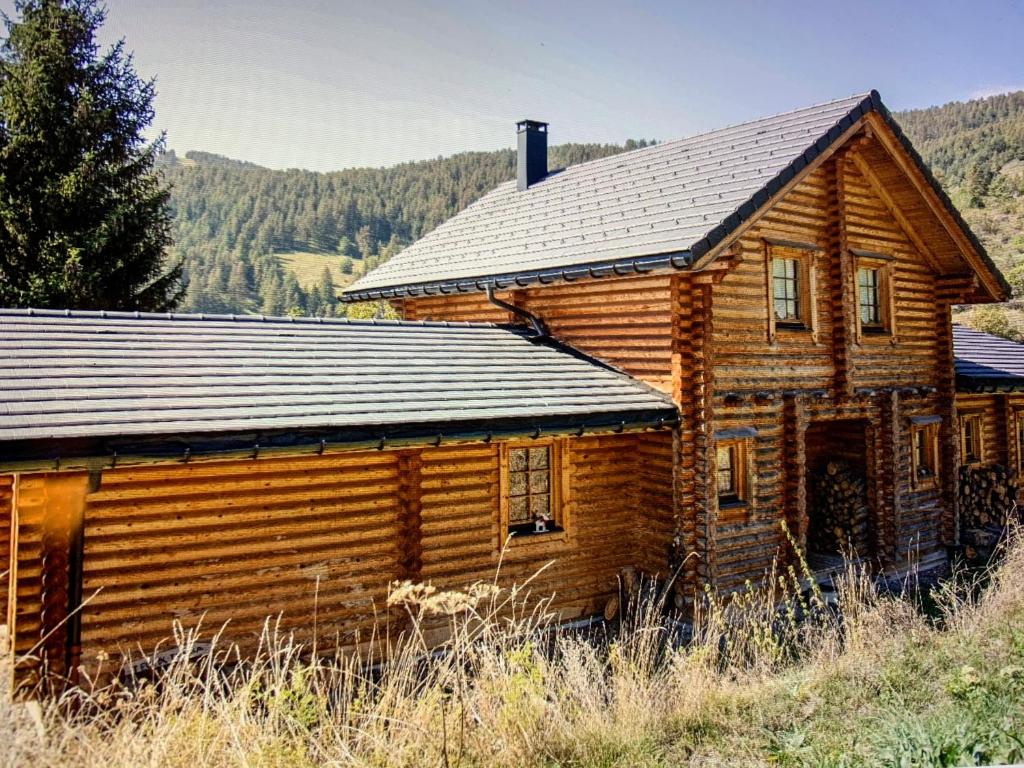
x=870, y=296
x=971, y=444
x=874, y=295
x=790, y=288
x=786, y=290
x=532, y=489
x=870, y=283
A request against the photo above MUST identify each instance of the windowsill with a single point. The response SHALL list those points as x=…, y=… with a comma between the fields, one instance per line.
x=527, y=537
x=876, y=336
x=731, y=505
x=926, y=483
x=791, y=326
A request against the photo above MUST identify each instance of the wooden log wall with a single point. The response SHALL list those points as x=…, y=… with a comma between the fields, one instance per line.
x=319, y=540
x=829, y=216
x=658, y=329
x=744, y=356
x=238, y=541
x=920, y=533
x=655, y=524
x=693, y=389
x=1001, y=416
x=6, y=503
x=607, y=499
x=627, y=323
x=910, y=356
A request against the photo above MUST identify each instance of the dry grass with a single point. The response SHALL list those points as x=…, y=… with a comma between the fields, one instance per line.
x=882, y=685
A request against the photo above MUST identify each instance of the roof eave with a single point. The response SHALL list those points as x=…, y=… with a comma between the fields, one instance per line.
x=999, y=288
x=989, y=384
x=660, y=262
x=106, y=453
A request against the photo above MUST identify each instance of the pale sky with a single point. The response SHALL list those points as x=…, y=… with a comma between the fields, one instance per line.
x=327, y=85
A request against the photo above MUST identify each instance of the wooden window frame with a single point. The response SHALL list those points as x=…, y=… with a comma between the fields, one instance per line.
x=1018, y=438
x=558, y=489
x=977, y=417
x=885, y=331
x=804, y=256
x=930, y=434
x=741, y=474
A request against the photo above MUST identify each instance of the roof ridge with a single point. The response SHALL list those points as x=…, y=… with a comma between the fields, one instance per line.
x=597, y=228
x=203, y=316
x=662, y=144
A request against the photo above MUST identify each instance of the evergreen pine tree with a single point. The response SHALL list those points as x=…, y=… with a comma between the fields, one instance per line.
x=328, y=296
x=84, y=221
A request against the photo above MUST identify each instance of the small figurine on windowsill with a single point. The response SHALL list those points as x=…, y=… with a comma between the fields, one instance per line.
x=540, y=523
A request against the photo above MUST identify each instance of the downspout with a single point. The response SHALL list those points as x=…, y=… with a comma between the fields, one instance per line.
x=540, y=330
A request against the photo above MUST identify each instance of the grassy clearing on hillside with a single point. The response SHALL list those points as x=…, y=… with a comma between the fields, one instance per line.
x=309, y=267
x=883, y=685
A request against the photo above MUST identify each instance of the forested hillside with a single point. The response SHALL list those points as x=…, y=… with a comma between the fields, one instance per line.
x=240, y=227
x=259, y=240
x=977, y=150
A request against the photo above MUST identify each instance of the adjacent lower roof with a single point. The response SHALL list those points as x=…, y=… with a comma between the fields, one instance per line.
x=987, y=363
x=660, y=207
x=67, y=376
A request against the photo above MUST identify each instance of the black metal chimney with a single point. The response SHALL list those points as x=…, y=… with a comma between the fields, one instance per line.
x=532, y=165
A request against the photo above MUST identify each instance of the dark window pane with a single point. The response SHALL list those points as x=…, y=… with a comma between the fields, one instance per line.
x=786, y=289
x=870, y=297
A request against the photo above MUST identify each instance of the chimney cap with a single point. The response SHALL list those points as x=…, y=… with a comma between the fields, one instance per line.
x=531, y=125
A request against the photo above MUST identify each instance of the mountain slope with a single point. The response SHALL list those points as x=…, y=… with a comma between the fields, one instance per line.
x=976, y=148
x=243, y=230
x=238, y=226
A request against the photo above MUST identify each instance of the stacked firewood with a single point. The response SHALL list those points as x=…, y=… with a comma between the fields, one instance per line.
x=840, y=518
x=987, y=498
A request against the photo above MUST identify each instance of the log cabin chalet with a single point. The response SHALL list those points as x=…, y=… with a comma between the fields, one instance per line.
x=649, y=361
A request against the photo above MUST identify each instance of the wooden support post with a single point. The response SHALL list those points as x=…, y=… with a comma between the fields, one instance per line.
x=794, y=425
x=48, y=518
x=410, y=526
x=693, y=385
x=890, y=471
x=841, y=281
x=949, y=433
x=1003, y=430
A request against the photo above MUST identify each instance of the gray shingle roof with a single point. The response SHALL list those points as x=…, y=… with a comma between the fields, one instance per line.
x=660, y=207
x=646, y=203
x=985, y=362
x=98, y=375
